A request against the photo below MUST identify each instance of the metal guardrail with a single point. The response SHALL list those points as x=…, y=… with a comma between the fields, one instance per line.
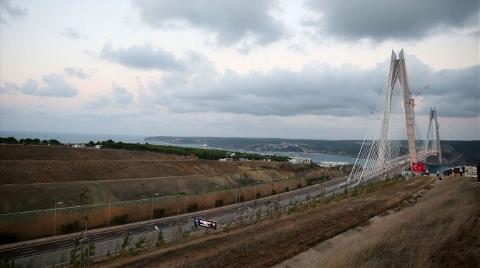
x=174, y=228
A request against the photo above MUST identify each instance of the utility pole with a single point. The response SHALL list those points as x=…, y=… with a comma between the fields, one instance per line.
x=271, y=186
x=151, y=213
x=177, y=232
x=238, y=204
x=55, y=217
x=108, y=211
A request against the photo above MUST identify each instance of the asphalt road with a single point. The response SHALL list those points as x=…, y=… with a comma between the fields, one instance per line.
x=41, y=246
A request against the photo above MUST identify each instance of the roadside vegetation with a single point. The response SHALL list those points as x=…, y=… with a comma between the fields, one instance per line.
x=442, y=230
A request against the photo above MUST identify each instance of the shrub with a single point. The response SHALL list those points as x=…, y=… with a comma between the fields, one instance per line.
x=118, y=220
x=7, y=237
x=160, y=239
x=218, y=203
x=193, y=207
x=159, y=213
x=9, y=140
x=126, y=241
x=68, y=228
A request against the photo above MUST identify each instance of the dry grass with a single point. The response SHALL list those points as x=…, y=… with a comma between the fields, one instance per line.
x=441, y=230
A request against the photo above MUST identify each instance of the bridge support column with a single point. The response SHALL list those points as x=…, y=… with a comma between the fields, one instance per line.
x=437, y=134
x=398, y=71
x=408, y=104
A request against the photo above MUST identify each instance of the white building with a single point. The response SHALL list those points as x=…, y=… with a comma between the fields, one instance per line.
x=332, y=164
x=300, y=160
x=78, y=146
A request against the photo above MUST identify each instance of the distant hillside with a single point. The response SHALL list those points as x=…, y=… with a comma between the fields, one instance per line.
x=460, y=152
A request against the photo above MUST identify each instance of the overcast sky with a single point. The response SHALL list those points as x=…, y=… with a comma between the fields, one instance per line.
x=293, y=69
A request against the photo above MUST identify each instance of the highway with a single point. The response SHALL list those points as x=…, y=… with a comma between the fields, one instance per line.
x=223, y=215
x=173, y=226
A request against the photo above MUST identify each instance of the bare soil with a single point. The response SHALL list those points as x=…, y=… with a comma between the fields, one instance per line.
x=274, y=240
x=34, y=178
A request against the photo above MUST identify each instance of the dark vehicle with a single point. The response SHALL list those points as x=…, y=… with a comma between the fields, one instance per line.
x=447, y=172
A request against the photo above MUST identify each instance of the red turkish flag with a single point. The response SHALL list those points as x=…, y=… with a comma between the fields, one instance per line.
x=418, y=167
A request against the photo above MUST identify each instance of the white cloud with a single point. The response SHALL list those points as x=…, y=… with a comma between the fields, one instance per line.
x=118, y=97
x=10, y=10
x=76, y=72
x=72, y=33
x=55, y=86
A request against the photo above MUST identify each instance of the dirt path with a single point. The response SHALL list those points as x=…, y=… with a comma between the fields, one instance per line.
x=275, y=240
x=442, y=229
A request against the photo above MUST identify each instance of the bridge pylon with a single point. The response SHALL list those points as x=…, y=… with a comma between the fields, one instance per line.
x=381, y=154
x=398, y=72
x=433, y=124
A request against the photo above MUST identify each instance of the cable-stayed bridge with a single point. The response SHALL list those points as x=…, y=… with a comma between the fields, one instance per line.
x=383, y=150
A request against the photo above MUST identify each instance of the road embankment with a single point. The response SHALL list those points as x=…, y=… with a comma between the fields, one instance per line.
x=280, y=238
x=441, y=229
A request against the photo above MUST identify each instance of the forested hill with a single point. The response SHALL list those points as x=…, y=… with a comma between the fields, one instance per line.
x=460, y=152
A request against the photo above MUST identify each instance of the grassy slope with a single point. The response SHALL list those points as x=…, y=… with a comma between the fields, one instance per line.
x=441, y=230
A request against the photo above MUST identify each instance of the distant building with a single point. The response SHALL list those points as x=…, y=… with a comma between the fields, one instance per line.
x=300, y=160
x=471, y=171
x=332, y=164
x=78, y=146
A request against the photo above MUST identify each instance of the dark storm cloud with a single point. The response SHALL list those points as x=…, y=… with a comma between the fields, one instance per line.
x=380, y=19
x=13, y=11
x=55, y=86
x=455, y=92
x=230, y=21
x=142, y=57
x=317, y=89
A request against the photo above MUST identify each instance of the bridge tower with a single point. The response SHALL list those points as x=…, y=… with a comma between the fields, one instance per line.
x=433, y=123
x=381, y=153
x=398, y=72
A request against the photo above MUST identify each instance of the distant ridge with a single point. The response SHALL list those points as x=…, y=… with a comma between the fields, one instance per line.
x=461, y=152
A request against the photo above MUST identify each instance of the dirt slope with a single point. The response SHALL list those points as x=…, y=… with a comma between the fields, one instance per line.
x=272, y=241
